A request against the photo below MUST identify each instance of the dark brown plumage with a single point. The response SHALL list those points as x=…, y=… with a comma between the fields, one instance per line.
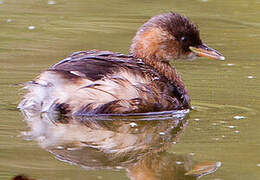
x=95, y=65
x=103, y=82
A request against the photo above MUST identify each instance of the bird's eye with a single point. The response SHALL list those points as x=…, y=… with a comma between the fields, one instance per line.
x=183, y=39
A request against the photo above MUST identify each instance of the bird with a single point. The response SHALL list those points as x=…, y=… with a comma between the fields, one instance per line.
x=96, y=82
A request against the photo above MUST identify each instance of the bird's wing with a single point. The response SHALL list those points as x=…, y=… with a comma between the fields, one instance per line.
x=95, y=64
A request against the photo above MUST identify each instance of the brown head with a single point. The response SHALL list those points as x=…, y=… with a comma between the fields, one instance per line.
x=170, y=36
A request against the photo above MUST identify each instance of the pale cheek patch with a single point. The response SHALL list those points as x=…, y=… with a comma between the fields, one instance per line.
x=192, y=56
x=188, y=56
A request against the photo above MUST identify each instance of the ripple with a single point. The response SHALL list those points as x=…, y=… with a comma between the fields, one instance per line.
x=162, y=115
x=200, y=106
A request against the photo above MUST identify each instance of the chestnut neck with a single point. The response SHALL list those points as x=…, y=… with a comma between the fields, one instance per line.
x=166, y=70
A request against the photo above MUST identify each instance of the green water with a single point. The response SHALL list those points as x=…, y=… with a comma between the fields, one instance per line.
x=219, y=90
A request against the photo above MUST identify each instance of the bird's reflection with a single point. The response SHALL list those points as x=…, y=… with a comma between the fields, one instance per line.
x=138, y=144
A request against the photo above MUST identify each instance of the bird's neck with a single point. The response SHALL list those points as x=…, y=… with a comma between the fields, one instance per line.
x=166, y=70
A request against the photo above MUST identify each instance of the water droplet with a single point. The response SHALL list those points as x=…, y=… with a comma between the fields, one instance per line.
x=192, y=154
x=214, y=124
x=197, y=119
x=239, y=117
x=258, y=165
x=132, y=124
x=51, y=2
x=223, y=136
x=250, y=77
x=178, y=162
x=9, y=20
x=31, y=27
x=236, y=131
x=231, y=127
x=174, y=142
x=229, y=64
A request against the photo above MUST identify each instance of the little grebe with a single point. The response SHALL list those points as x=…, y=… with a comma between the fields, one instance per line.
x=104, y=82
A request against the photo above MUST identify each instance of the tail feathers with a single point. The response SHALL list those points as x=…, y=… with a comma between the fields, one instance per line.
x=38, y=97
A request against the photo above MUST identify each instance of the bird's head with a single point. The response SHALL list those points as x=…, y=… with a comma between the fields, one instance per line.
x=170, y=36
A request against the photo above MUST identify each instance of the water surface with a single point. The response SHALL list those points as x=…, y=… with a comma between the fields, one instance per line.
x=36, y=34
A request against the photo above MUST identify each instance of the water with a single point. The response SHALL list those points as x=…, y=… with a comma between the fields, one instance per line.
x=36, y=34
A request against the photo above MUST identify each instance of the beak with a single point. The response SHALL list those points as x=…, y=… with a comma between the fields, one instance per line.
x=205, y=51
